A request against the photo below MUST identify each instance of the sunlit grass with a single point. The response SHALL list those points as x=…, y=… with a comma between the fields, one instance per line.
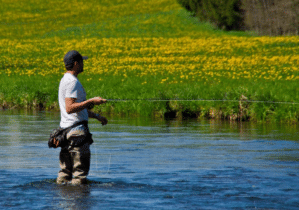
x=143, y=49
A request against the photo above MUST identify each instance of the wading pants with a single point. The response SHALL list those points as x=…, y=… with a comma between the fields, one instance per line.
x=75, y=160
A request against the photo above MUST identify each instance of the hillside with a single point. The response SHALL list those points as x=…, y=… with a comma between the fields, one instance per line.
x=145, y=50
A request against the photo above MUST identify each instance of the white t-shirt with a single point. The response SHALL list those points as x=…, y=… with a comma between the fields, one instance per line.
x=70, y=87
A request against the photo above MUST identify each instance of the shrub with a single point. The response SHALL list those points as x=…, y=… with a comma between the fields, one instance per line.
x=191, y=5
x=224, y=14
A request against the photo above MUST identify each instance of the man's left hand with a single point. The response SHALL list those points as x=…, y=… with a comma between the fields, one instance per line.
x=102, y=119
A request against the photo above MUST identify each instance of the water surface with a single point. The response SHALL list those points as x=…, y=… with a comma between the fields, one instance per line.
x=141, y=163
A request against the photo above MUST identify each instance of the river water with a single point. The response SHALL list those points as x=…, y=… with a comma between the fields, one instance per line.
x=152, y=164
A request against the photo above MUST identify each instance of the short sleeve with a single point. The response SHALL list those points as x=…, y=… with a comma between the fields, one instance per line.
x=72, y=90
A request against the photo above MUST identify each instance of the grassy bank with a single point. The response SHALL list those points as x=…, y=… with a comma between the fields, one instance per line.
x=141, y=50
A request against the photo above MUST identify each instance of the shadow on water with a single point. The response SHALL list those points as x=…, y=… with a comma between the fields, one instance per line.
x=50, y=195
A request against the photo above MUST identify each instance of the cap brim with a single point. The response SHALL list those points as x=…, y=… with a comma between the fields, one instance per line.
x=84, y=57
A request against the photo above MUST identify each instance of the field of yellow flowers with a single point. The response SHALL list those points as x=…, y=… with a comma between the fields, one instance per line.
x=142, y=50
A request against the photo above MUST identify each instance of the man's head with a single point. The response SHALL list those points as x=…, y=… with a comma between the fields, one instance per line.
x=71, y=58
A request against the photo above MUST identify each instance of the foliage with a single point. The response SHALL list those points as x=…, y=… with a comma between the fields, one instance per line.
x=224, y=14
x=187, y=5
x=191, y=5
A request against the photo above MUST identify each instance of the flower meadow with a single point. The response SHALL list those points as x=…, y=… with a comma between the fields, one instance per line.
x=175, y=60
x=153, y=60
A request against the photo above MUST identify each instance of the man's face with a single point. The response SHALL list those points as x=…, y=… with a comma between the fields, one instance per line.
x=81, y=65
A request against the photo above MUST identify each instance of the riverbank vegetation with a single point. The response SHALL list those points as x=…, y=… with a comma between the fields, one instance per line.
x=146, y=50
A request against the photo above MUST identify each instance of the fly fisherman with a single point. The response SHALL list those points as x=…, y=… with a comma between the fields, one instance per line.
x=75, y=157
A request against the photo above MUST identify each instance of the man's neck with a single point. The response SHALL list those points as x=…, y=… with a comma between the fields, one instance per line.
x=72, y=72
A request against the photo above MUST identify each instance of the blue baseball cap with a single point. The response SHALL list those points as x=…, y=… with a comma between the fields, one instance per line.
x=72, y=56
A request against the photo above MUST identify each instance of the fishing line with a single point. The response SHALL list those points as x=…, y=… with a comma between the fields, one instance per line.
x=96, y=159
x=108, y=166
x=97, y=170
x=179, y=99
x=208, y=100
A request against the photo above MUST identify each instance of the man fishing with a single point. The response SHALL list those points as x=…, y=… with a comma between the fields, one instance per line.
x=75, y=156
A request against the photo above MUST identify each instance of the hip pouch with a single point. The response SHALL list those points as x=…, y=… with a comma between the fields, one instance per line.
x=59, y=137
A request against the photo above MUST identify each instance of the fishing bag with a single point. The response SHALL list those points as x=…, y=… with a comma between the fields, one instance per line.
x=58, y=136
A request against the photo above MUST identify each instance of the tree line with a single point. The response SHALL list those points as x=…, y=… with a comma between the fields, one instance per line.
x=266, y=17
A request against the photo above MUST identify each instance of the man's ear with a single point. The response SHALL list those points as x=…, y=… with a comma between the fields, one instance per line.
x=76, y=65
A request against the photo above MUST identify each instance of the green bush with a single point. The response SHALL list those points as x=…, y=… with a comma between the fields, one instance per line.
x=191, y=5
x=224, y=14
x=185, y=4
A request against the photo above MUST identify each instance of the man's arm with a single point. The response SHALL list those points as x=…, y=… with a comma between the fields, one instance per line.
x=100, y=118
x=72, y=106
x=92, y=114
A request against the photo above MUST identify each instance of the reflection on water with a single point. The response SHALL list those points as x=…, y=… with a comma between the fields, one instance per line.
x=153, y=164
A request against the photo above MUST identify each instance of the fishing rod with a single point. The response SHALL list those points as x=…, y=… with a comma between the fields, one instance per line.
x=208, y=100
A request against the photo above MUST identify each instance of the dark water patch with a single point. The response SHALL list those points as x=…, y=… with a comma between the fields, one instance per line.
x=285, y=157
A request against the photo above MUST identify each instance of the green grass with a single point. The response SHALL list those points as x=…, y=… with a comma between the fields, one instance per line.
x=142, y=50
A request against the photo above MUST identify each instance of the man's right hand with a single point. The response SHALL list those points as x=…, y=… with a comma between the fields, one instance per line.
x=98, y=100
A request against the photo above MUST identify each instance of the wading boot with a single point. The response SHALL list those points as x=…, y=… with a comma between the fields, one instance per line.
x=78, y=181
